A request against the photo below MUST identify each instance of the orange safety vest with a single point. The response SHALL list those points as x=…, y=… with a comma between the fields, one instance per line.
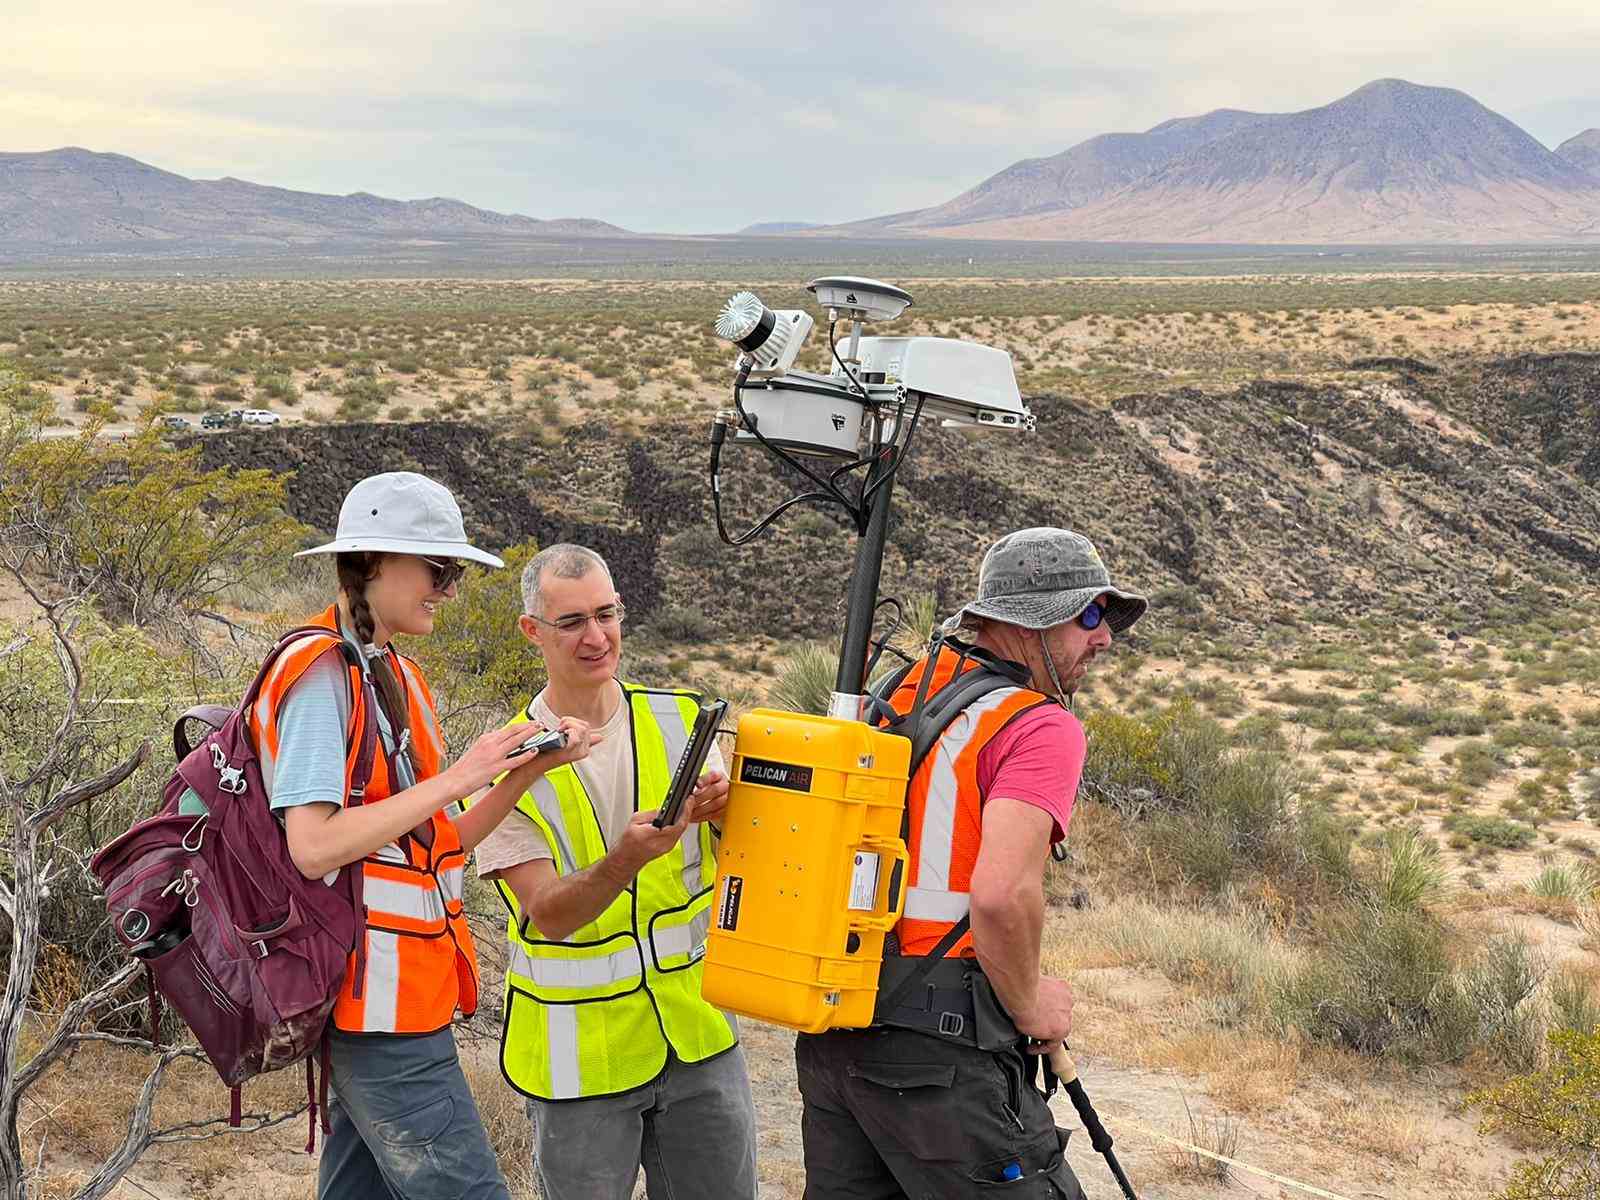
x=414, y=964
x=945, y=808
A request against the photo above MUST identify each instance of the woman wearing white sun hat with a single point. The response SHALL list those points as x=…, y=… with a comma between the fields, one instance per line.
x=404, y=1123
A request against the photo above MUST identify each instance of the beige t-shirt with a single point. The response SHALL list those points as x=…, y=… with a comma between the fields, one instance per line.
x=606, y=775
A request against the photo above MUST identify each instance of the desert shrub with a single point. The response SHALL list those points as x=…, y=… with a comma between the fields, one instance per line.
x=1215, y=810
x=1384, y=982
x=141, y=524
x=804, y=682
x=1558, y=1108
x=1381, y=985
x=278, y=387
x=1435, y=720
x=680, y=624
x=1499, y=832
x=1408, y=873
x=1562, y=881
x=1573, y=1004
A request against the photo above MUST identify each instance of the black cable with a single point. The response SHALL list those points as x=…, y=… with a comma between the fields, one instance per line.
x=882, y=643
x=848, y=374
x=773, y=448
x=719, y=434
x=905, y=449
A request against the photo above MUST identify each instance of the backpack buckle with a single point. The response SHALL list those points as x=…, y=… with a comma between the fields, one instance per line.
x=230, y=779
x=952, y=1024
x=260, y=947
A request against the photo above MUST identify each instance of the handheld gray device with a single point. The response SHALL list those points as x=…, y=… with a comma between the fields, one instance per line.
x=691, y=762
x=545, y=739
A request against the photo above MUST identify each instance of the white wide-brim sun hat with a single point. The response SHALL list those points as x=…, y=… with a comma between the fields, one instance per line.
x=402, y=512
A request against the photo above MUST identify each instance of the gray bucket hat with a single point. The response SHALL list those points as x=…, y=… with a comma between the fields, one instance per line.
x=1042, y=577
x=403, y=513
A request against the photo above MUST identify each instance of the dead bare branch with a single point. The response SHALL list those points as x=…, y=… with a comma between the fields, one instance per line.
x=77, y=793
x=67, y=1025
x=138, y=1138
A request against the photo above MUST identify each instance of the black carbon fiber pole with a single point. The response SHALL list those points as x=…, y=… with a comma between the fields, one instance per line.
x=862, y=599
x=1067, y=1072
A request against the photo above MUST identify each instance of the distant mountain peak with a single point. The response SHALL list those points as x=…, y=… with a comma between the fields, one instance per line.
x=1392, y=161
x=1583, y=151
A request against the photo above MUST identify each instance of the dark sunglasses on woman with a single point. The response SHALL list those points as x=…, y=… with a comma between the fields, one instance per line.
x=445, y=571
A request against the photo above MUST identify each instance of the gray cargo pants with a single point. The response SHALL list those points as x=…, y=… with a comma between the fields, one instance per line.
x=692, y=1129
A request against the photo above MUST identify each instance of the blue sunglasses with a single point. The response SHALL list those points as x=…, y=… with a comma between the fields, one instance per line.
x=1092, y=615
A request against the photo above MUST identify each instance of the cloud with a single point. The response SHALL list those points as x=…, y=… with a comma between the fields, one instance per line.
x=681, y=116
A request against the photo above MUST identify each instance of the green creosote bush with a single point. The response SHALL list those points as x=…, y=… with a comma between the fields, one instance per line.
x=1385, y=983
x=1216, y=811
x=1491, y=831
x=1558, y=1109
x=142, y=525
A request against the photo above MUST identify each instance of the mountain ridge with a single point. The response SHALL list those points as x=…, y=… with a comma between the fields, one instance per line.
x=1392, y=161
x=72, y=197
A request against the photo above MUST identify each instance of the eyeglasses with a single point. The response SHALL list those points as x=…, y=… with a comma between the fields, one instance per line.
x=445, y=572
x=607, y=616
x=1091, y=616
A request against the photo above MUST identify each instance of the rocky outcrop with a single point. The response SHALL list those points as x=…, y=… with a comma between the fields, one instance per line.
x=1428, y=494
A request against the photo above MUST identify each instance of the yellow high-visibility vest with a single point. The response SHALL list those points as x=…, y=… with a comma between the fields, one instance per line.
x=595, y=1013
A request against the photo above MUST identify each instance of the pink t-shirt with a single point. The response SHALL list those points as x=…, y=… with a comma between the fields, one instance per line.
x=1037, y=759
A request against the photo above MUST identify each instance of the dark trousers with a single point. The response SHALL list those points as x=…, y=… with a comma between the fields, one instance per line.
x=891, y=1114
x=405, y=1125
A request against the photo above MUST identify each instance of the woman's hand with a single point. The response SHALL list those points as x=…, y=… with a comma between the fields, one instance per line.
x=580, y=738
x=492, y=756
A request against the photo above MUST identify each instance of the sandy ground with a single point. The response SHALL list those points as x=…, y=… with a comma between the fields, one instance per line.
x=1349, y=1136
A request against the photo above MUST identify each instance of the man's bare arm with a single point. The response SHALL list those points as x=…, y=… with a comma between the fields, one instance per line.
x=1008, y=916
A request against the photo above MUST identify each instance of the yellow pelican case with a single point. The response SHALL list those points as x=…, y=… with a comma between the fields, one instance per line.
x=811, y=870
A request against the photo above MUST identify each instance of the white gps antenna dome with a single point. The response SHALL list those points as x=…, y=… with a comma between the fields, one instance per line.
x=770, y=340
x=860, y=299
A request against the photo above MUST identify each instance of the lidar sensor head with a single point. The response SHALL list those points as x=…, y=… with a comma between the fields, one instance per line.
x=769, y=339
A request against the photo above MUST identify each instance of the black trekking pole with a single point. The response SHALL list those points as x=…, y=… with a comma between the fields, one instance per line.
x=1067, y=1072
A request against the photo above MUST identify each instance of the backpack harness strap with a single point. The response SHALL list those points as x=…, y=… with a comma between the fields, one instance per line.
x=924, y=724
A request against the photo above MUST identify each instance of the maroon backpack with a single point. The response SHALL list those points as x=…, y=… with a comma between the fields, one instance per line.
x=249, y=951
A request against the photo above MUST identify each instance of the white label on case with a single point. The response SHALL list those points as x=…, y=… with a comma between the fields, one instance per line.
x=864, y=882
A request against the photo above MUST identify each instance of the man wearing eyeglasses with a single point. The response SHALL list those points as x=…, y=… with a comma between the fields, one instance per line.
x=936, y=1098
x=624, y=1065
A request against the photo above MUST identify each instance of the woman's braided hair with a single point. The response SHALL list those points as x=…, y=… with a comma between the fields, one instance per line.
x=355, y=569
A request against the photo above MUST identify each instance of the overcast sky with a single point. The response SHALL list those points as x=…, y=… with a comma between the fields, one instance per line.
x=703, y=117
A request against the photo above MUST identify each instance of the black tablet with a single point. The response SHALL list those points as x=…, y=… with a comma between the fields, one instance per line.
x=692, y=762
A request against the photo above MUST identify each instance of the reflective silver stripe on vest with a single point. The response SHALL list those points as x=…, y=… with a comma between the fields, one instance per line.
x=675, y=737
x=450, y=883
x=430, y=729
x=381, y=988
x=549, y=806
x=402, y=899
x=561, y=1027
x=943, y=799
x=664, y=708
x=928, y=904
x=601, y=971
x=688, y=938
x=690, y=843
